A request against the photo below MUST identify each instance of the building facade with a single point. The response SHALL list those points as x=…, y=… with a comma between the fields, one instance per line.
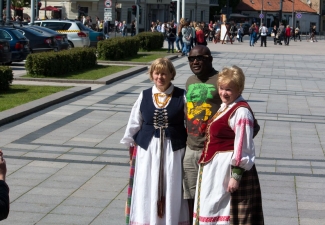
x=296, y=13
x=150, y=10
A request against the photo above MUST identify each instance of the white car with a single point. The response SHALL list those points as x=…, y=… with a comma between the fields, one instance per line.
x=76, y=32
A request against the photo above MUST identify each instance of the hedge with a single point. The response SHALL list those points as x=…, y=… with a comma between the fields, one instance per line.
x=150, y=40
x=117, y=48
x=60, y=63
x=6, y=77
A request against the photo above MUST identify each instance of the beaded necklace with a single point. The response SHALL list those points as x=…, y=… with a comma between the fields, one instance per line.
x=164, y=103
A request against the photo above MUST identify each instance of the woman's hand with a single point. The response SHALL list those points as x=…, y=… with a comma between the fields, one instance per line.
x=232, y=185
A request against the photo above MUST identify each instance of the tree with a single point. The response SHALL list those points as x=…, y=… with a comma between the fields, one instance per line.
x=19, y=5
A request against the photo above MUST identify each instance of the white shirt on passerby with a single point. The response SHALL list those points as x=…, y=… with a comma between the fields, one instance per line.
x=263, y=31
x=162, y=28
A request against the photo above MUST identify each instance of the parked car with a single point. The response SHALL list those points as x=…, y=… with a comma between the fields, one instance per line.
x=19, y=44
x=5, y=53
x=61, y=39
x=78, y=36
x=39, y=42
x=94, y=36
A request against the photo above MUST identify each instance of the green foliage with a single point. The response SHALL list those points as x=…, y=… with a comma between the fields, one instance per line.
x=60, y=63
x=150, y=40
x=6, y=77
x=117, y=48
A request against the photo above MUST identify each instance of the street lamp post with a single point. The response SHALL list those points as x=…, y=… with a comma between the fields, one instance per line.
x=261, y=13
x=280, y=13
x=293, y=12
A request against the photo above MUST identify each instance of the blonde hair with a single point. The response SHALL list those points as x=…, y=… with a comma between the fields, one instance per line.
x=162, y=65
x=232, y=74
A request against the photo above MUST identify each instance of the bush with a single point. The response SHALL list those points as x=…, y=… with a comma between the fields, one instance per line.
x=6, y=77
x=150, y=40
x=117, y=48
x=60, y=63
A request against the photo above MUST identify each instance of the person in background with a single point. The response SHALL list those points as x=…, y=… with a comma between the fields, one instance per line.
x=171, y=36
x=193, y=39
x=280, y=33
x=101, y=26
x=313, y=34
x=287, y=35
x=163, y=29
x=156, y=136
x=263, y=33
x=179, y=37
x=240, y=33
x=132, y=28
x=4, y=189
x=274, y=33
x=200, y=40
x=297, y=33
x=187, y=36
x=124, y=29
x=252, y=37
x=106, y=29
x=228, y=189
x=159, y=26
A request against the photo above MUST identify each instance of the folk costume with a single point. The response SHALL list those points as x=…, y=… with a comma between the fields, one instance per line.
x=156, y=127
x=229, y=146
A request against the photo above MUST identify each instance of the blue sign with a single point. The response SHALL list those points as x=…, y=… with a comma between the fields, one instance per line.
x=298, y=15
x=261, y=16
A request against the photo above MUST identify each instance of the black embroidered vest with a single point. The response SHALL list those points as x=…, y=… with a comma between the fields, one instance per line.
x=171, y=119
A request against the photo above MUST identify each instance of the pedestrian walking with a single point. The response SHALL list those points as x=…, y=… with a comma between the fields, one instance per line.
x=252, y=35
x=287, y=35
x=263, y=33
x=297, y=33
x=171, y=36
x=274, y=34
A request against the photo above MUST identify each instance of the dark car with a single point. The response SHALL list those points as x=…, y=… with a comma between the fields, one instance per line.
x=61, y=39
x=19, y=44
x=94, y=36
x=5, y=53
x=39, y=42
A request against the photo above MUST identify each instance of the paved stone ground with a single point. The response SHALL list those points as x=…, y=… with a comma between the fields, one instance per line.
x=66, y=166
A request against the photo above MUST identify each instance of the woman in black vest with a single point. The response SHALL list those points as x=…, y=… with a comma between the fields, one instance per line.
x=157, y=137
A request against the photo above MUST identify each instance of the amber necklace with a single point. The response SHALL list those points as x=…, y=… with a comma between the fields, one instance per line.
x=164, y=103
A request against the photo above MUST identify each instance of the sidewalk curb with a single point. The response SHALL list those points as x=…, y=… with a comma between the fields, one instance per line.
x=34, y=106
x=39, y=104
x=104, y=80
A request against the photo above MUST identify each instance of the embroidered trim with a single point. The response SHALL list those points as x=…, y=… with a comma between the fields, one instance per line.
x=212, y=218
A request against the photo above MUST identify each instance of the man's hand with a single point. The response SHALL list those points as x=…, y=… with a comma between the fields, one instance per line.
x=3, y=167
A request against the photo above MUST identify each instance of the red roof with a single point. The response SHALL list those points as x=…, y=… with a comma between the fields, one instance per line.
x=274, y=5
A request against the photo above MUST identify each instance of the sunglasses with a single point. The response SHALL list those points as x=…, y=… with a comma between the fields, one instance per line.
x=198, y=58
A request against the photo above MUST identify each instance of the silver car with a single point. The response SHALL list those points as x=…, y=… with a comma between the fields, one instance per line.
x=76, y=32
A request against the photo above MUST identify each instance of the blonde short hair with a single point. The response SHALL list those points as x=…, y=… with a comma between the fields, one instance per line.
x=162, y=65
x=232, y=74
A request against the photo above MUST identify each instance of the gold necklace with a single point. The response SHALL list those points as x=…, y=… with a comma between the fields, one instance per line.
x=164, y=103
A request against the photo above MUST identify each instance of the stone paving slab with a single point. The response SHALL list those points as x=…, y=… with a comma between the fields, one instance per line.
x=66, y=166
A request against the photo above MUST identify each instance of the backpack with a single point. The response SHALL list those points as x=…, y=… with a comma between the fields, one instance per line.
x=250, y=30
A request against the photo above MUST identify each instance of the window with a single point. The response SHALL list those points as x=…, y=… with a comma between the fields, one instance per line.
x=129, y=16
x=56, y=25
x=4, y=35
x=202, y=15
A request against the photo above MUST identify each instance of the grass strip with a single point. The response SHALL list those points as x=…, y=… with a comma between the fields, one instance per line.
x=144, y=57
x=21, y=94
x=160, y=50
x=95, y=73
